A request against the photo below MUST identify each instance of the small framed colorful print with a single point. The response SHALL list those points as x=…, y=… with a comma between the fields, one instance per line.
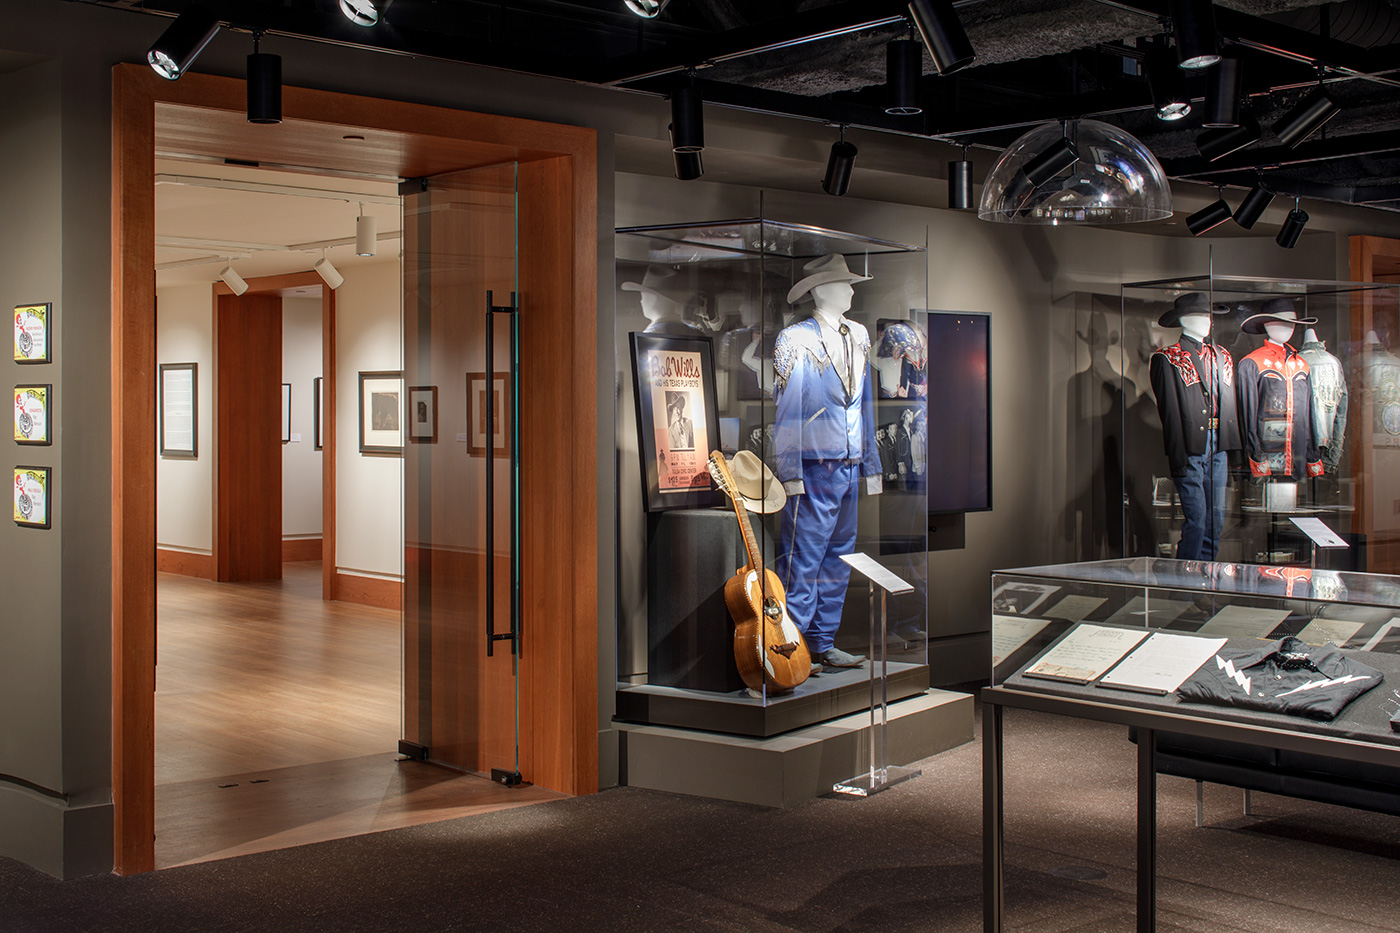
x=32, y=421
x=32, y=326
x=33, y=504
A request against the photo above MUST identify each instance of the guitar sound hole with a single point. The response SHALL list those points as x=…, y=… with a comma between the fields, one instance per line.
x=772, y=609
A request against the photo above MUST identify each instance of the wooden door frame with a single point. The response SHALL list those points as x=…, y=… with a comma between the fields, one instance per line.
x=275, y=285
x=204, y=115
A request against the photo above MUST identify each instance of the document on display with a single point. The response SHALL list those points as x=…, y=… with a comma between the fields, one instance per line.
x=1075, y=608
x=1162, y=663
x=1009, y=633
x=1243, y=622
x=1085, y=653
x=1337, y=631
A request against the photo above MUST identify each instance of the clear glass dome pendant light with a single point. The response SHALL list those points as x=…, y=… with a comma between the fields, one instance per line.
x=1082, y=171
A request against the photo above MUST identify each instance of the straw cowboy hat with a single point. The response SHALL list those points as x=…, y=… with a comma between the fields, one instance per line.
x=661, y=282
x=757, y=485
x=1190, y=303
x=821, y=271
x=1275, y=309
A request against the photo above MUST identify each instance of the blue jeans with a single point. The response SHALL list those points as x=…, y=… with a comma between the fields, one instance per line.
x=1204, y=482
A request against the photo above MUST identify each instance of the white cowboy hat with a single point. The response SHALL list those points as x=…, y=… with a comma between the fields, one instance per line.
x=822, y=270
x=757, y=485
x=1275, y=309
x=661, y=282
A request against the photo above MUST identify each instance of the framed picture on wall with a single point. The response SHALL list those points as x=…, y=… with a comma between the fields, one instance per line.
x=381, y=412
x=33, y=501
x=422, y=414
x=477, y=416
x=316, y=410
x=286, y=412
x=179, y=413
x=32, y=326
x=32, y=421
x=677, y=420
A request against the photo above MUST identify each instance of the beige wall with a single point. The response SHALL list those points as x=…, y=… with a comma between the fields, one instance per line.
x=185, y=488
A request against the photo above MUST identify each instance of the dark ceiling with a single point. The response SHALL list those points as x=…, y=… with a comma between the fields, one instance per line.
x=1037, y=60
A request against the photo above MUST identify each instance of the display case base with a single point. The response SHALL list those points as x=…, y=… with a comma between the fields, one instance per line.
x=825, y=696
x=786, y=770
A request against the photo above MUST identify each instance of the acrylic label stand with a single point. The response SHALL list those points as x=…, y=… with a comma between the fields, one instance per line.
x=1320, y=535
x=881, y=774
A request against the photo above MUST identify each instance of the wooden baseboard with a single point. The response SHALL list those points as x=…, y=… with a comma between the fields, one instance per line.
x=301, y=549
x=368, y=591
x=185, y=563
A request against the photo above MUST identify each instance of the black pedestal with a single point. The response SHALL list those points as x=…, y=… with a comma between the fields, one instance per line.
x=690, y=636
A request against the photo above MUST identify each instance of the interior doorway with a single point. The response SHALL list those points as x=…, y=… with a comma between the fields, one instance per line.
x=203, y=117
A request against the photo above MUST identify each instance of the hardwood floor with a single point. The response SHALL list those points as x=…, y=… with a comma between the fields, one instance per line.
x=277, y=723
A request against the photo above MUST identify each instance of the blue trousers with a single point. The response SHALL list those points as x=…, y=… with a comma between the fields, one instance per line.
x=1202, y=492
x=817, y=527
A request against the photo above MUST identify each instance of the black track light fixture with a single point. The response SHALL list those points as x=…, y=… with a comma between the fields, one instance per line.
x=960, y=183
x=1050, y=161
x=1216, y=144
x=839, y=166
x=904, y=66
x=688, y=164
x=1306, y=118
x=1224, y=99
x=1209, y=217
x=1166, y=83
x=1193, y=24
x=264, y=85
x=687, y=119
x=647, y=9
x=943, y=33
x=1253, y=206
x=1292, y=227
x=181, y=43
x=364, y=12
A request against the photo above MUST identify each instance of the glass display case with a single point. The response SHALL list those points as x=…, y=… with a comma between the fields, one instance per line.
x=1281, y=646
x=786, y=363
x=1302, y=387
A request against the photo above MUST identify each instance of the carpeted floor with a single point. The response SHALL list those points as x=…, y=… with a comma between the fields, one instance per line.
x=905, y=860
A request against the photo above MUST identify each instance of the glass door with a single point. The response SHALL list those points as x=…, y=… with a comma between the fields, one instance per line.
x=461, y=568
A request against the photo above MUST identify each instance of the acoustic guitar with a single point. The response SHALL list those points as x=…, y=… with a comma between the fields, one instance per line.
x=768, y=648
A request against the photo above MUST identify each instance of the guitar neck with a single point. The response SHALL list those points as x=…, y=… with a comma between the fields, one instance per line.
x=750, y=545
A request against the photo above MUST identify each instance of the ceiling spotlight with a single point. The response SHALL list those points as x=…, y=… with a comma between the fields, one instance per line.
x=1193, y=23
x=264, y=85
x=1209, y=217
x=1167, y=84
x=943, y=33
x=1050, y=161
x=1253, y=206
x=687, y=120
x=1292, y=227
x=364, y=12
x=1216, y=144
x=329, y=273
x=647, y=9
x=233, y=280
x=1223, y=100
x=960, y=183
x=180, y=45
x=904, y=66
x=1306, y=118
x=839, y=165
x=366, y=234
x=688, y=164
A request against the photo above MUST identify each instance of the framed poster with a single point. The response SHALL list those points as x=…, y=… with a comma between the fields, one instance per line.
x=286, y=412
x=477, y=418
x=33, y=504
x=422, y=414
x=32, y=326
x=179, y=411
x=316, y=410
x=32, y=421
x=677, y=419
x=381, y=413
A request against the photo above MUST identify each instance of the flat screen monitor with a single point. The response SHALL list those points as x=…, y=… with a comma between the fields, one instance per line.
x=959, y=412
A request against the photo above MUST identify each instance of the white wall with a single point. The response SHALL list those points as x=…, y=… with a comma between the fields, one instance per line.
x=369, y=487
x=301, y=461
x=185, y=488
